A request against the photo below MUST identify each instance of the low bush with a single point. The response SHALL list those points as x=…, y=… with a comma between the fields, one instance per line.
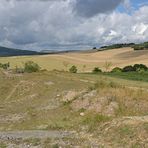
x=5, y=65
x=139, y=67
x=136, y=68
x=30, y=67
x=117, y=69
x=129, y=68
x=96, y=70
x=73, y=69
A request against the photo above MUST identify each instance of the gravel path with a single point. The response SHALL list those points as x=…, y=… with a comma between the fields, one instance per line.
x=10, y=135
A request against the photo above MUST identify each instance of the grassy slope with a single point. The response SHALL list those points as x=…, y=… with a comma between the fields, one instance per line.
x=34, y=101
x=131, y=76
x=118, y=57
x=16, y=52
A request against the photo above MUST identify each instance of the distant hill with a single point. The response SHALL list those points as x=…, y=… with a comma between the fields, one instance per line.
x=60, y=51
x=114, y=46
x=16, y=52
x=142, y=46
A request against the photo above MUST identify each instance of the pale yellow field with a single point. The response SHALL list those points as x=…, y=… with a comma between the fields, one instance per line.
x=118, y=57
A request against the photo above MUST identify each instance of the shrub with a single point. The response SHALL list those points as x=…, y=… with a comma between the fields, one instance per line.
x=96, y=70
x=139, y=67
x=128, y=69
x=30, y=66
x=73, y=69
x=5, y=65
x=140, y=70
x=116, y=69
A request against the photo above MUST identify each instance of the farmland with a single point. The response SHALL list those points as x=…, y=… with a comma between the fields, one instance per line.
x=84, y=61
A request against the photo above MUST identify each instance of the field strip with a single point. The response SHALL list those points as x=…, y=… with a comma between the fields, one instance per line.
x=77, y=59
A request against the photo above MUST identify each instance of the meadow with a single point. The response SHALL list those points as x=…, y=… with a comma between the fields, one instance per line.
x=84, y=103
x=94, y=110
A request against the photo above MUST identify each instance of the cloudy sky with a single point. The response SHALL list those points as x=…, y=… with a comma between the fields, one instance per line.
x=71, y=24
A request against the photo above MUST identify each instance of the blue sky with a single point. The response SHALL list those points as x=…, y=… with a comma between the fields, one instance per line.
x=78, y=24
x=134, y=4
x=137, y=3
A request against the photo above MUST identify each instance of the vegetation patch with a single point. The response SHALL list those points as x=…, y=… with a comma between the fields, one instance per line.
x=92, y=120
x=73, y=69
x=142, y=46
x=126, y=131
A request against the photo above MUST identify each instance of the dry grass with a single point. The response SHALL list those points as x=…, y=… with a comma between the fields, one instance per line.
x=114, y=110
x=84, y=61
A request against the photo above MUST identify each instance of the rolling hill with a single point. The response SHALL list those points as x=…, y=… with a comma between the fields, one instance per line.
x=56, y=108
x=63, y=61
x=16, y=52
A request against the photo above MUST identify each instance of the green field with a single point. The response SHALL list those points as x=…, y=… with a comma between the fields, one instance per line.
x=131, y=76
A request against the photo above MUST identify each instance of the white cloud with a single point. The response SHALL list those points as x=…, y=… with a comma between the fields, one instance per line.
x=140, y=28
x=53, y=24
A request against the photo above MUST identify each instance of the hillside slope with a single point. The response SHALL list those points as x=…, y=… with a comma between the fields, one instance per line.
x=15, y=52
x=43, y=109
x=84, y=61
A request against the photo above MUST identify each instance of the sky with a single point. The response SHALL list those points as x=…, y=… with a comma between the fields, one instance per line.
x=72, y=24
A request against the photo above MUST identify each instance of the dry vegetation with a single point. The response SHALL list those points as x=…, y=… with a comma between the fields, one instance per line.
x=101, y=111
x=84, y=61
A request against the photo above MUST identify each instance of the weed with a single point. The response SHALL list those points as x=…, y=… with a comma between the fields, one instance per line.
x=145, y=125
x=92, y=120
x=125, y=131
x=55, y=146
x=3, y=145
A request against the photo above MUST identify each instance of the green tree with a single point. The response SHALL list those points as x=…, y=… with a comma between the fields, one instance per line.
x=137, y=67
x=128, y=68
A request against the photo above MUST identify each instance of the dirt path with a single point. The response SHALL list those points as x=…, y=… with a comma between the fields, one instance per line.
x=11, y=135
